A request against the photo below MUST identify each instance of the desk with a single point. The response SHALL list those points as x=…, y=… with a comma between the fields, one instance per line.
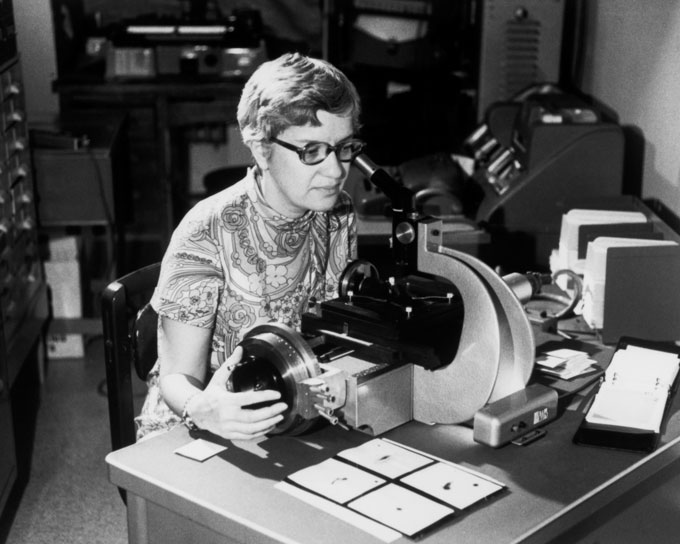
x=552, y=485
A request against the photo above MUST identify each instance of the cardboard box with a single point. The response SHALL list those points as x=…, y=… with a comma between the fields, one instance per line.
x=64, y=346
x=62, y=273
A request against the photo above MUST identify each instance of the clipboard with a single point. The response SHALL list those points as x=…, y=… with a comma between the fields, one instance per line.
x=594, y=431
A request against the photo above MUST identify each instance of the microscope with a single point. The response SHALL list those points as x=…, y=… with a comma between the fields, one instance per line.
x=435, y=343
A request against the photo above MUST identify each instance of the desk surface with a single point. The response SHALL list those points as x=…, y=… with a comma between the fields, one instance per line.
x=233, y=493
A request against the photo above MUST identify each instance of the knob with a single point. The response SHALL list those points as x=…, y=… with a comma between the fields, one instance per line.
x=25, y=198
x=13, y=89
x=405, y=233
x=26, y=224
x=20, y=172
x=16, y=116
x=18, y=145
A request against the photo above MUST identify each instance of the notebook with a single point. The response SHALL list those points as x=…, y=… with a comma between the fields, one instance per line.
x=629, y=408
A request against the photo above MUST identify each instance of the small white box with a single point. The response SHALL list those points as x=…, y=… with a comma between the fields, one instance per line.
x=63, y=248
x=62, y=273
x=64, y=346
x=573, y=220
x=595, y=275
x=63, y=277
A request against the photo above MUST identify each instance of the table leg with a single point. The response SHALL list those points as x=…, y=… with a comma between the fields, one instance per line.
x=137, y=520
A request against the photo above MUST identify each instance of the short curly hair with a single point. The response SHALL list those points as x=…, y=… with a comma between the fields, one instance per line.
x=289, y=91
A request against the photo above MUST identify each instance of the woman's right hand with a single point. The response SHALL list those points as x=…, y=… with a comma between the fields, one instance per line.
x=225, y=413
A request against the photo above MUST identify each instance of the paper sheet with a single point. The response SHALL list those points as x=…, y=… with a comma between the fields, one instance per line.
x=385, y=458
x=397, y=507
x=395, y=485
x=336, y=480
x=452, y=485
x=200, y=449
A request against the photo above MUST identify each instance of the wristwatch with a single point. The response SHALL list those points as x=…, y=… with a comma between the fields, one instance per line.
x=186, y=418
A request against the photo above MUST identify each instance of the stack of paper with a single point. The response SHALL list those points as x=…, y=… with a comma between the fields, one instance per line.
x=565, y=363
x=595, y=273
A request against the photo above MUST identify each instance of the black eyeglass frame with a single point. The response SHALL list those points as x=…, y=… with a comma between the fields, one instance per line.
x=331, y=149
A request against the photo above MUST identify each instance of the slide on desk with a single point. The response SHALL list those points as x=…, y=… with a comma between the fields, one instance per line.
x=395, y=486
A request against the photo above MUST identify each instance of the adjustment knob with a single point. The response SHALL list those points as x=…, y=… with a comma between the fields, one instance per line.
x=13, y=89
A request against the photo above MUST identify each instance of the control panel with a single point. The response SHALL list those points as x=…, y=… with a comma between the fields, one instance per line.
x=23, y=292
x=21, y=273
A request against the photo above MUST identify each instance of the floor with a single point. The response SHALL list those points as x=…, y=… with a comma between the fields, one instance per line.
x=68, y=499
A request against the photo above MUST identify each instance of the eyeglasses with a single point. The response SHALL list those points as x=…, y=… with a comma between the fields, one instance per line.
x=316, y=152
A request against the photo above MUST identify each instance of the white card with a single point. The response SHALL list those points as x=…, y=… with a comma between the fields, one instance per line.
x=549, y=361
x=572, y=369
x=378, y=530
x=452, y=485
x=566, y=353
x=385, y=458
x=400, y=508
x=200, y=449
x=336, y=480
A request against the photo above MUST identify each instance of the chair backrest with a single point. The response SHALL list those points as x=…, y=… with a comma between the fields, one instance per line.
x=130, y=326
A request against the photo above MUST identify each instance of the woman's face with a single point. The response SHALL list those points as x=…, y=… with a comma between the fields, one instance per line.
x=292, y=187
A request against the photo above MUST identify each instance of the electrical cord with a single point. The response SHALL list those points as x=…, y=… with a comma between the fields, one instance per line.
x=568, y=303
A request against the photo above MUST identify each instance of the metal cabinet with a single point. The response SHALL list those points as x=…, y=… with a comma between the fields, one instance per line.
x=8, y=464
x=23, y=291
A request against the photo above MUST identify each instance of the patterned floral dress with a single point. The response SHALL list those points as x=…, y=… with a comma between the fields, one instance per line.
x=234, y=263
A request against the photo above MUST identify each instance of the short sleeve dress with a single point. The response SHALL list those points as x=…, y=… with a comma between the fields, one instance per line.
x=234, y=263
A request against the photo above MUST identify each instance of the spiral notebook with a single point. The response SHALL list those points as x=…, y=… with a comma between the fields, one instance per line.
x=629, y=408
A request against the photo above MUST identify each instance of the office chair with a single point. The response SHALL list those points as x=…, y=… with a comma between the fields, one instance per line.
x=130, y=325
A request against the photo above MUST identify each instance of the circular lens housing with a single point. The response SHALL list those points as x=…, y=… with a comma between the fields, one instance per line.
x=258, y=374
x=276, y=357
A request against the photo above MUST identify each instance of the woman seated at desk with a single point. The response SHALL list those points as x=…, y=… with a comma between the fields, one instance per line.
x=258, y=251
